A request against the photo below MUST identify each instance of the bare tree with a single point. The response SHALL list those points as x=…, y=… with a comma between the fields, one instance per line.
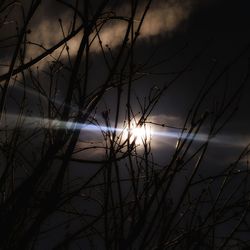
x=77, y=164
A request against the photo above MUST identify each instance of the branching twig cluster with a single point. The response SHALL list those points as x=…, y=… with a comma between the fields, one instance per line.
x=60, y=188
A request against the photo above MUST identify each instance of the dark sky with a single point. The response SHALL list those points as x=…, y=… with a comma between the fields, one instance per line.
x=217, y=28
x=222, y=28
x=186, y=43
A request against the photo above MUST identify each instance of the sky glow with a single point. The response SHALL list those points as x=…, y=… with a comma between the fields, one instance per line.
x=138, y=134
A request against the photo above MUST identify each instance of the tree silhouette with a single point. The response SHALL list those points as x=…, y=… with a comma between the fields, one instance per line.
x=74, y=175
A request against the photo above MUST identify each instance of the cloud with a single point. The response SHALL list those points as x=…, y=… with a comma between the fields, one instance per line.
x=163, y=18
x=111, y=35
x=45, y=33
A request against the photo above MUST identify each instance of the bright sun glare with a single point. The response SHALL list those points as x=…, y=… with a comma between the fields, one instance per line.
x=139, y=134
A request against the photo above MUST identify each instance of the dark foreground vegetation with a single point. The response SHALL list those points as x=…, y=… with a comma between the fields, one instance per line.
x=60, y=187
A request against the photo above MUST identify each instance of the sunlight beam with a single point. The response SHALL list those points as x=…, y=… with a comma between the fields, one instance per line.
x=137, y=134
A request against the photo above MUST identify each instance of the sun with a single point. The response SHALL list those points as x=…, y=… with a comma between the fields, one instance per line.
x=139, y=134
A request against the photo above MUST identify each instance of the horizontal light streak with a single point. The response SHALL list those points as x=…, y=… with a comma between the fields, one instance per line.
x=33, y=122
